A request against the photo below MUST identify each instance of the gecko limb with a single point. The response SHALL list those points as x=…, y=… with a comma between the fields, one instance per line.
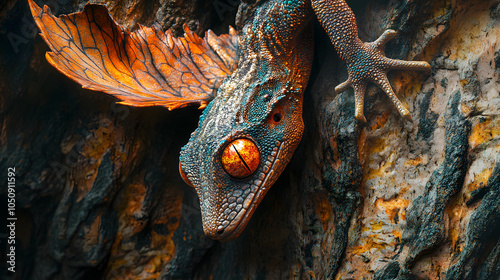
x=366, y=62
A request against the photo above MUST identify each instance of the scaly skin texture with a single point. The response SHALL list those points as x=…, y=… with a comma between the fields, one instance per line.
x=366, y=62
x=270, y=79
x=262, y=102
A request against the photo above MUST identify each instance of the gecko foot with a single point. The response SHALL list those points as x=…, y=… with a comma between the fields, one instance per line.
x=366, y=62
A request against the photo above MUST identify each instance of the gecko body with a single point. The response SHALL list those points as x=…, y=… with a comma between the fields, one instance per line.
x=252, y=122
x=261, y=102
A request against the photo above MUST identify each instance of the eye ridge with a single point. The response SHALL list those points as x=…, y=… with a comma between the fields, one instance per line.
x=241, y=158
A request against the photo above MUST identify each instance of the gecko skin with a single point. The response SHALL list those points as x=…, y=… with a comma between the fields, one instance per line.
x=248, y=132
x=256, y=116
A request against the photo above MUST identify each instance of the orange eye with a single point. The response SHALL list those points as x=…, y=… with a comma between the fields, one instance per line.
x=241, y=158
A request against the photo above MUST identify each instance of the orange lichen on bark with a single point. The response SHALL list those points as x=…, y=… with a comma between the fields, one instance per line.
x=134, y=220
x=379, y=145
x=92, y=234
x=85, y=154
x=100, y=140
x=484, y=131
x=408, y=83
x=480, y=180
x=398, y=234
x=371, y=242
x=380, y=121
x=323, y=209
x=133, y=201
x=454, y=234
x=377, y=225
x=456, y=210
x=90, y=152
x=416, y=161
x=335, y=153
x=381, y=171
x=463, y=37
x=393, y=207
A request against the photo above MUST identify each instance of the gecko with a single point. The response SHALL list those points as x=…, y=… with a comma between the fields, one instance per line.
x=250, y=84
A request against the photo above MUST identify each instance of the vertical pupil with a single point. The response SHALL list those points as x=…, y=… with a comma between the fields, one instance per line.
x=241, y=158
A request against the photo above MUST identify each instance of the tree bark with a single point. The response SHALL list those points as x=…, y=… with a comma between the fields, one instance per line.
x=98, y=194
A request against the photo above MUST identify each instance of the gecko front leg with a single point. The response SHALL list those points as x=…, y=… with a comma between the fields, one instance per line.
x=366, y=62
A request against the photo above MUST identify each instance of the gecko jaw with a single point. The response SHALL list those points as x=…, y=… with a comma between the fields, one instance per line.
x=228, y=230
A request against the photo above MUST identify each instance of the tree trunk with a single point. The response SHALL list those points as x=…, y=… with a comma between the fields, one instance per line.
x=98, y=194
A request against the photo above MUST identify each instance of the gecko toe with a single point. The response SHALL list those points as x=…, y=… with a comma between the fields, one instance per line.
x=397, y=64
x=359, y=96
x=384, y=38
x=382, y=81
x=343, y=86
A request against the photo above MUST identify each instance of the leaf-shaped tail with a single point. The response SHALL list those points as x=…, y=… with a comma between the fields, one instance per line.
x=146, y=67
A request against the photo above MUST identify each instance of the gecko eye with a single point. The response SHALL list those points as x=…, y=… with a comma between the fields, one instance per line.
x=240, y=158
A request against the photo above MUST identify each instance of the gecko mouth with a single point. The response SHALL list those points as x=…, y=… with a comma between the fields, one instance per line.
x=259, y=189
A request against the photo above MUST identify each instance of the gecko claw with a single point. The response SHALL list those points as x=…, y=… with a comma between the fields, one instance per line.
x=397, y=64
x=360, y=117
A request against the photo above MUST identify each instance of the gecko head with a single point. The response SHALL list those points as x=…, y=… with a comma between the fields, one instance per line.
x=245, y=138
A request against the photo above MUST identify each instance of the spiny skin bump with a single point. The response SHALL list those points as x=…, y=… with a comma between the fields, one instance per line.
x=275, y=59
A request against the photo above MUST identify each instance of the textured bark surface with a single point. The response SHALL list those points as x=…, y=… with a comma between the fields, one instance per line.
x=99, y=196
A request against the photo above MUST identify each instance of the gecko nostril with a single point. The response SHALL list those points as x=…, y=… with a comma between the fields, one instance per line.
x=220, y=231
x=277, y=117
